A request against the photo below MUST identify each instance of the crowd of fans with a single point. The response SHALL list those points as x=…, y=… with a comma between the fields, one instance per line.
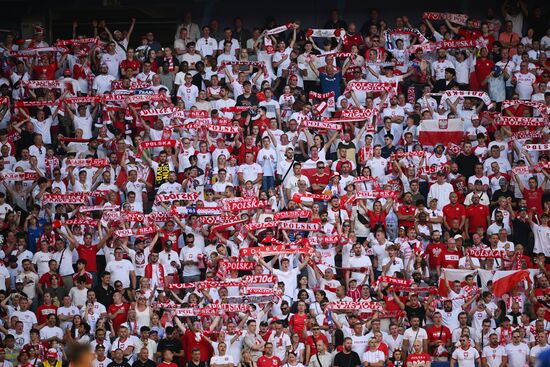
x=275, y=196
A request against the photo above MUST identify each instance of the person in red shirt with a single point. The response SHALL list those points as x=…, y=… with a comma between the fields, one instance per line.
x=130, y=63
x=450, y=257
x=439, y=339
x=477, y=215
x=434, y=250
x=469, y=32
x=297, y=321
x=192, y=339
x=45, y=69
x=533, y=194
x=87, y=250
x=484, y=65
x=351, y=38
x=418, y=358
x=118, y=311
x=268, y=359
x=311, y=341
x=167, y=359
x=406, y=212
x=319, y=180
x=45, y=309
x=45, y=279
x=454, y=210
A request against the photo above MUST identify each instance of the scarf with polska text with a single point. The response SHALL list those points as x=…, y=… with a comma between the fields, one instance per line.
x=142, y=231
x=536, y=147
x=97, y=208
x=325, y=33
x=137, y=84
x=72, y=198
x=536, y=134
x=76, y=222
x=520, y=121
x=155, y=144
x=19, y=176
x=88, y=162
x=78, y=41
x=351, y=306
x=271, y=250
x=373, y=194
x=187, y=196
x=369, y=86
x=460, y=19
x=255, y=64
x=394, y=281
x=325, y=125
x=538, y=105
x=46, y=84
x=29, y=53
x=327, y=101
x=469, y=94
x=409, y=31
x=293, y=214
x=158, y=111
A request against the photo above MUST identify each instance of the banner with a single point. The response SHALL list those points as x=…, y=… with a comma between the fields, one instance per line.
x=453, y=18
x=137, y=84
x=374, y=194
x=250, y=227
x=82, y=100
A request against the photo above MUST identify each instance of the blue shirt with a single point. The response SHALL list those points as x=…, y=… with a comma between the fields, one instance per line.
x=331, y=84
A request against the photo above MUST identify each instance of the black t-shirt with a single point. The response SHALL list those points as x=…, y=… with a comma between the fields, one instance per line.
x=466, y=164
x=147, y=363
x=192, y=364
x=104, y=296
x=173, y=345
x=419, y=311
x=124, y=363
x=497, y=194
x=350, y=359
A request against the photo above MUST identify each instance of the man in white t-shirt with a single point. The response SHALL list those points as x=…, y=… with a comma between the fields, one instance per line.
x=286, y=275
x=362, y=265
x=250, y=171
x=122, y=270
x=189, y=256
x=222, y=359
x=188, y=92
x=517, y=351
x=28, y=318
x=494, y=355
x=465, y=355
x=414, y=333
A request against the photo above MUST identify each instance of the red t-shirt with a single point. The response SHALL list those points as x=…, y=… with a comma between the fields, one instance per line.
x=313, y=343
x=45, y=279
x=132, y=64
x=450, y=259
x=376, y=218
x=272, y=361
x=435, y=250
x=120, y=318
x=189, y=342
x=439, y=333
x=469, y=34
x=451, y=212
x=298, y=322
x=406, y=210
x=419, y=358
x=49, y=70
x=533, y=199
x=350, y=40
x=477, y=217
x=316, y=179
x=88, y=253
x=43, y=311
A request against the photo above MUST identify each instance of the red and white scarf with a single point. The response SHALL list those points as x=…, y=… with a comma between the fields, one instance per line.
x=268, y=43
x=325, y=33
x=520, y=121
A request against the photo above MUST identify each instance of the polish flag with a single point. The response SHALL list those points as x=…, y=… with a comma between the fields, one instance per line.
x=442, y=131
x=451, y=275
x=504, y=281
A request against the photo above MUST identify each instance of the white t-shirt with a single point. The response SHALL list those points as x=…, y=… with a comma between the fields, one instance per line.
x=413, y=335
x=84, y=123
x=494, y=355
x=289, y=278
x=524, y=85
x=41, y=260
x=188, y=94
x=28, y=319
x=190, y=254
x=373, y=357
x=48, y=332
x=466, y=358
x=518, y=355
x=250, y=171
x=120, y=270
x=359, y=262
x=226, y=359
x=67, y=311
